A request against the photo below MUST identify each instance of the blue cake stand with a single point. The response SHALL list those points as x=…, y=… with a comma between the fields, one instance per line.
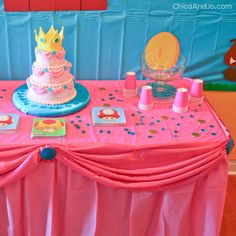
x=24, y=104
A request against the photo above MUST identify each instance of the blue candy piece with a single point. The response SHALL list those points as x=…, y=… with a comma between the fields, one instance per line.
x=229, y=146
x=48, y=153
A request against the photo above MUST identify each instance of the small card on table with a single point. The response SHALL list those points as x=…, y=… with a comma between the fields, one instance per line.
x=9, y=122
x=108, y=116
x=48, y=128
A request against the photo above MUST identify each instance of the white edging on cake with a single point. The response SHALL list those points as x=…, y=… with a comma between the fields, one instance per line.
x=49, y=85
x=50, y=102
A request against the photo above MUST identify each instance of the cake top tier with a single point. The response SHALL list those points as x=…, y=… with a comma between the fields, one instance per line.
x=50, y=41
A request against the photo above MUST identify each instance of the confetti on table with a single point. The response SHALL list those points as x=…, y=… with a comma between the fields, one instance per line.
x=201, y=122
x=195, y=134
x=102, y=89
x=152, y=131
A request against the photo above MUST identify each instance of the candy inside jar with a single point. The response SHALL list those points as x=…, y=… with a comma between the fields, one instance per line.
x=162, y=74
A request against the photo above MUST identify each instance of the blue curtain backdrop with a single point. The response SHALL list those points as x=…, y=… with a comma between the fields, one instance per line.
x=104, y=45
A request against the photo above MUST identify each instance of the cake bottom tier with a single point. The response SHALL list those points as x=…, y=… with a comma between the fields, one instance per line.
x=51, y=98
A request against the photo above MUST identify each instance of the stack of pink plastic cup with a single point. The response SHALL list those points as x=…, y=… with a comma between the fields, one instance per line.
x=146, y=100
x=181, y=100
x=196, y=92
x=130, y=88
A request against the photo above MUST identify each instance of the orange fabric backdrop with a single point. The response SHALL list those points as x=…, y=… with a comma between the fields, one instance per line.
x=224, y=103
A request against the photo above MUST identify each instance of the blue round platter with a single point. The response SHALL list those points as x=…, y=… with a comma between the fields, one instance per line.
x=24, y=104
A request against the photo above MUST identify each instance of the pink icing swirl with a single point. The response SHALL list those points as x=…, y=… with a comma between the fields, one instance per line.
x=55, y=73
x=39, y=90
x=68, y=65
x=36, y=70
x=70, y=85
x=57, y=90
x=48, y=54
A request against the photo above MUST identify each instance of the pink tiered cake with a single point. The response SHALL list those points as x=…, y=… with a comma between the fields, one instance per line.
x=51, y=81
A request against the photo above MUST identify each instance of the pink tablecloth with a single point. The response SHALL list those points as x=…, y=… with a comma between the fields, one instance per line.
x=115, y=180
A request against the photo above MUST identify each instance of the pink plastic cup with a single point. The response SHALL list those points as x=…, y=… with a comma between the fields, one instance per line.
x=130, y=88
x=196, y=91
x=181, y=101
x=146, y=100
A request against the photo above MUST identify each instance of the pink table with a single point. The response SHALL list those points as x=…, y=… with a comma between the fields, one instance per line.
x=115, y=180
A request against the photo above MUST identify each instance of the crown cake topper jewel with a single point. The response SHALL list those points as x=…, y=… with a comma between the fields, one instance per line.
x=50, y=41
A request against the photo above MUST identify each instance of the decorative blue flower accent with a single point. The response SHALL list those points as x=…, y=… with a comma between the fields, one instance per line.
x=45, y=70
x=48, y=153
x=229, y=146
x=54, y=52
x=49, y=89
x=65, y=67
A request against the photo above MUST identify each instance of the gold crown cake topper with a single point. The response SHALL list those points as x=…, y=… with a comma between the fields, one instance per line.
x=50, y=41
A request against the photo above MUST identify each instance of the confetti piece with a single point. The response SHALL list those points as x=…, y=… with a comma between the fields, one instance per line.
x=201, y=122
x=164, y=117
x=152, y=131
x=195, y=134
x=106, y=105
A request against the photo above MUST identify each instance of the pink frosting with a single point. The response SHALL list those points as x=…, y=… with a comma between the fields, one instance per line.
x=39, y=89
x=54, y=72
x=57, y=90
x=70, y=85
x=48, y=54
x=37, y=70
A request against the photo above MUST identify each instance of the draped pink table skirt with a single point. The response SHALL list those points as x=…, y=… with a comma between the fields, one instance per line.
x=115, y=181
x=55, y=200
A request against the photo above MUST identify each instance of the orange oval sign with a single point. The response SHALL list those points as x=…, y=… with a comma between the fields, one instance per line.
x=162, y=51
